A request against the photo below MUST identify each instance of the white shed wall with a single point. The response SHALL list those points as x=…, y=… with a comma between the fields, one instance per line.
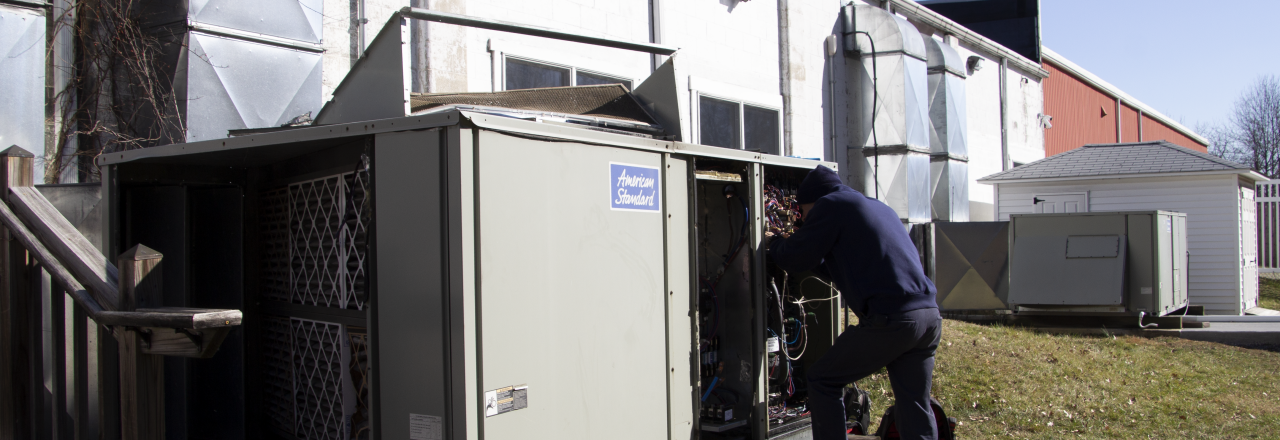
x=1213, y=224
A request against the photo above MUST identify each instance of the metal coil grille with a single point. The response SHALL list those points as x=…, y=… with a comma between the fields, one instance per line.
x=277, y=371
x=318, y=367
x=314, y=237
x=359, y=371
x=275, y=244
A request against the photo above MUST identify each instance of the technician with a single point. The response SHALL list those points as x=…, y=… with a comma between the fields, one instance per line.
x=864, y=247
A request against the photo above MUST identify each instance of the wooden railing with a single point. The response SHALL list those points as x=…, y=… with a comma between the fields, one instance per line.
x=118, y=325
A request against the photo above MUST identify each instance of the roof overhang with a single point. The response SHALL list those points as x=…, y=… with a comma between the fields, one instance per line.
x=1246, y=174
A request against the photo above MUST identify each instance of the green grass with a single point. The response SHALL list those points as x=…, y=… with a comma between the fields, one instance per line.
x=1269, y=293
x=1009, y=382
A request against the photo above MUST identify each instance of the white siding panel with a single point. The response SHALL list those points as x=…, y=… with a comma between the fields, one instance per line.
x=1213, y=223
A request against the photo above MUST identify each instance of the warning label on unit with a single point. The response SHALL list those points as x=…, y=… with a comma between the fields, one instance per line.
x=424, y=427
x=506, y=399
x=634, y=188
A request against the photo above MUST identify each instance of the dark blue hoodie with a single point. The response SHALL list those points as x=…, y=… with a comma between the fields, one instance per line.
x=862, y=245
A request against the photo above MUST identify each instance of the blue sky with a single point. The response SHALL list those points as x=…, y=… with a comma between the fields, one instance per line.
x=1187, y=59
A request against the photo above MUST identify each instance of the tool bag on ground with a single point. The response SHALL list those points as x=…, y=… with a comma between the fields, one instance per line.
x=888, y=429
x=857, y=411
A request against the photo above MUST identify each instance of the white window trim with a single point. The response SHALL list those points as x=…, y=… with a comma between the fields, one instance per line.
x=699, y=87
x=500, y=54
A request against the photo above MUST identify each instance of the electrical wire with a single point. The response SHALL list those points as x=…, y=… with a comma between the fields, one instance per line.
x=710, y=388
x=802, y=300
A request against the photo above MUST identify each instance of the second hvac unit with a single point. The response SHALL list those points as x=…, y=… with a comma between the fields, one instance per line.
x=1113, y=263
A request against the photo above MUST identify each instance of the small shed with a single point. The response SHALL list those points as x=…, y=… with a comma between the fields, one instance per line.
x=1216, y=194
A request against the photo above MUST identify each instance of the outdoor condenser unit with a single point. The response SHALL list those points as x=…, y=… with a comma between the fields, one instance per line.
x=1101, y=263
x=470, y=274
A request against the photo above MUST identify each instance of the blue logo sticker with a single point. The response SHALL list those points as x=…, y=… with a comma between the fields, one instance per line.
x=634, y=188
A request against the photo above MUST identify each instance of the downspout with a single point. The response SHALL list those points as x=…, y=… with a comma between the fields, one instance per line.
x=1119, y=120
x=784, y=70
x=1004, y=111
x=655, y=33
x=832, y=50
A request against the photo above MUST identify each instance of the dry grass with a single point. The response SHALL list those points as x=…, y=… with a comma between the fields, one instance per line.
x=1011, y=382
x=1269, y=293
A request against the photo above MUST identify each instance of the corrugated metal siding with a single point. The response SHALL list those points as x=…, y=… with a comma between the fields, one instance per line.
x=1153, y=130
x=1129, y=124
x=1077, y=111
x=1213, y=223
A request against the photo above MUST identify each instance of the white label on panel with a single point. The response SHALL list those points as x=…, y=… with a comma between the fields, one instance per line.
x=424, y=427
x=506, y=399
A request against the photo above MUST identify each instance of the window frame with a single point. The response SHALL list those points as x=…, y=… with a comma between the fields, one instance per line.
x=500, y=80
x=696, y=110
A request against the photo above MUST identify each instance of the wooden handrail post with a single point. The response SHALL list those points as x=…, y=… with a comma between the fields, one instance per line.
x=141, y=375
x=16, y=333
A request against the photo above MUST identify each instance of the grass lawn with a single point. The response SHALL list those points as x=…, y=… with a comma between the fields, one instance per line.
x=1269, y=293
x=1009, y=382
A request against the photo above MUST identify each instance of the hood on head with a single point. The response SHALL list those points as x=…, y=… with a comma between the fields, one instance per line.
x=820, y=182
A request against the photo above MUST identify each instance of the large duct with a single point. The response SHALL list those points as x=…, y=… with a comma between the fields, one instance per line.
x=889, y=155
x=948, y=150
x=233, y=70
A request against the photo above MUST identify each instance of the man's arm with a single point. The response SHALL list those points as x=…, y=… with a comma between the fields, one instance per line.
x=805, y=249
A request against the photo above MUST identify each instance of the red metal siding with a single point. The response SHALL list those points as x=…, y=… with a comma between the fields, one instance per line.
x=1078, y=113
x=1153, y=130
x=1129, y=124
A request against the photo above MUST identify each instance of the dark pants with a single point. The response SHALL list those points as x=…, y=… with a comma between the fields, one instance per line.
x=905, y=344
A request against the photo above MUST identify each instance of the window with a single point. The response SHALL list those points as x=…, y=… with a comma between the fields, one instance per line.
x=528, y=74
x=718, y=123
x=730, y=124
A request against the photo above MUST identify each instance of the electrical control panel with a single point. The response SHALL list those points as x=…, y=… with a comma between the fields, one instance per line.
x=758, y=327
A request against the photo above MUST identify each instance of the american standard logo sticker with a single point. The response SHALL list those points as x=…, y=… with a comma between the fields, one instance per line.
x=634, y=188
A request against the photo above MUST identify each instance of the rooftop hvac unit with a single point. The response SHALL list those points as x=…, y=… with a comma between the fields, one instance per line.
x=1099, y=263
x=461, y=271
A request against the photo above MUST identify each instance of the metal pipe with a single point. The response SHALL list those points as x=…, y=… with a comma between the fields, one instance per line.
x=784, y=70
x=1004, y=111
x=524, y=29
x=1119, y=120
x=832, y=50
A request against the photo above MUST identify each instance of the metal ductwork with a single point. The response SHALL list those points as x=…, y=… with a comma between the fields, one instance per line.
x=889, y=154
x=233, y=70
x=948, y=150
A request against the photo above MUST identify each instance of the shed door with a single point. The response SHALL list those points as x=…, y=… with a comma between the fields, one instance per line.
x=1248, y=249
x=1060, y=203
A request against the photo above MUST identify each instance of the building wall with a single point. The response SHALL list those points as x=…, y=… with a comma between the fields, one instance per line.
x=735, y=46
x=1153, y=130
x=1129, y=120
x=1213, y=223
x=1082, y=115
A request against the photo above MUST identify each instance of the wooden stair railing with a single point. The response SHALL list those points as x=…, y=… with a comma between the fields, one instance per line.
x=127, y=304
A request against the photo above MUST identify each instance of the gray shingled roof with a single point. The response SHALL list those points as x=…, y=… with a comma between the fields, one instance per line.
x=1119, y=159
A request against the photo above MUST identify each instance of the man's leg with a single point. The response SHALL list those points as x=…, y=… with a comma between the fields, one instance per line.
x=911, y=375
x=857, y=353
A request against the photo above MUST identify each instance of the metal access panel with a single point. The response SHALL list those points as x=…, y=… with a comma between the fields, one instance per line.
x=572, y=292
x=1108, y=262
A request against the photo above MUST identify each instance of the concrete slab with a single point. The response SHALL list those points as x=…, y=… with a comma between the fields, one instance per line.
x=1231, y=333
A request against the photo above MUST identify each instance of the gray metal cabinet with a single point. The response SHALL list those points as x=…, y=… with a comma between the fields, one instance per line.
x=1099, y=262
x=467, y=276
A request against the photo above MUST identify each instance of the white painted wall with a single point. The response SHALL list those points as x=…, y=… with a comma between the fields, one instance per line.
x=1211, y=203
x=727, y=42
